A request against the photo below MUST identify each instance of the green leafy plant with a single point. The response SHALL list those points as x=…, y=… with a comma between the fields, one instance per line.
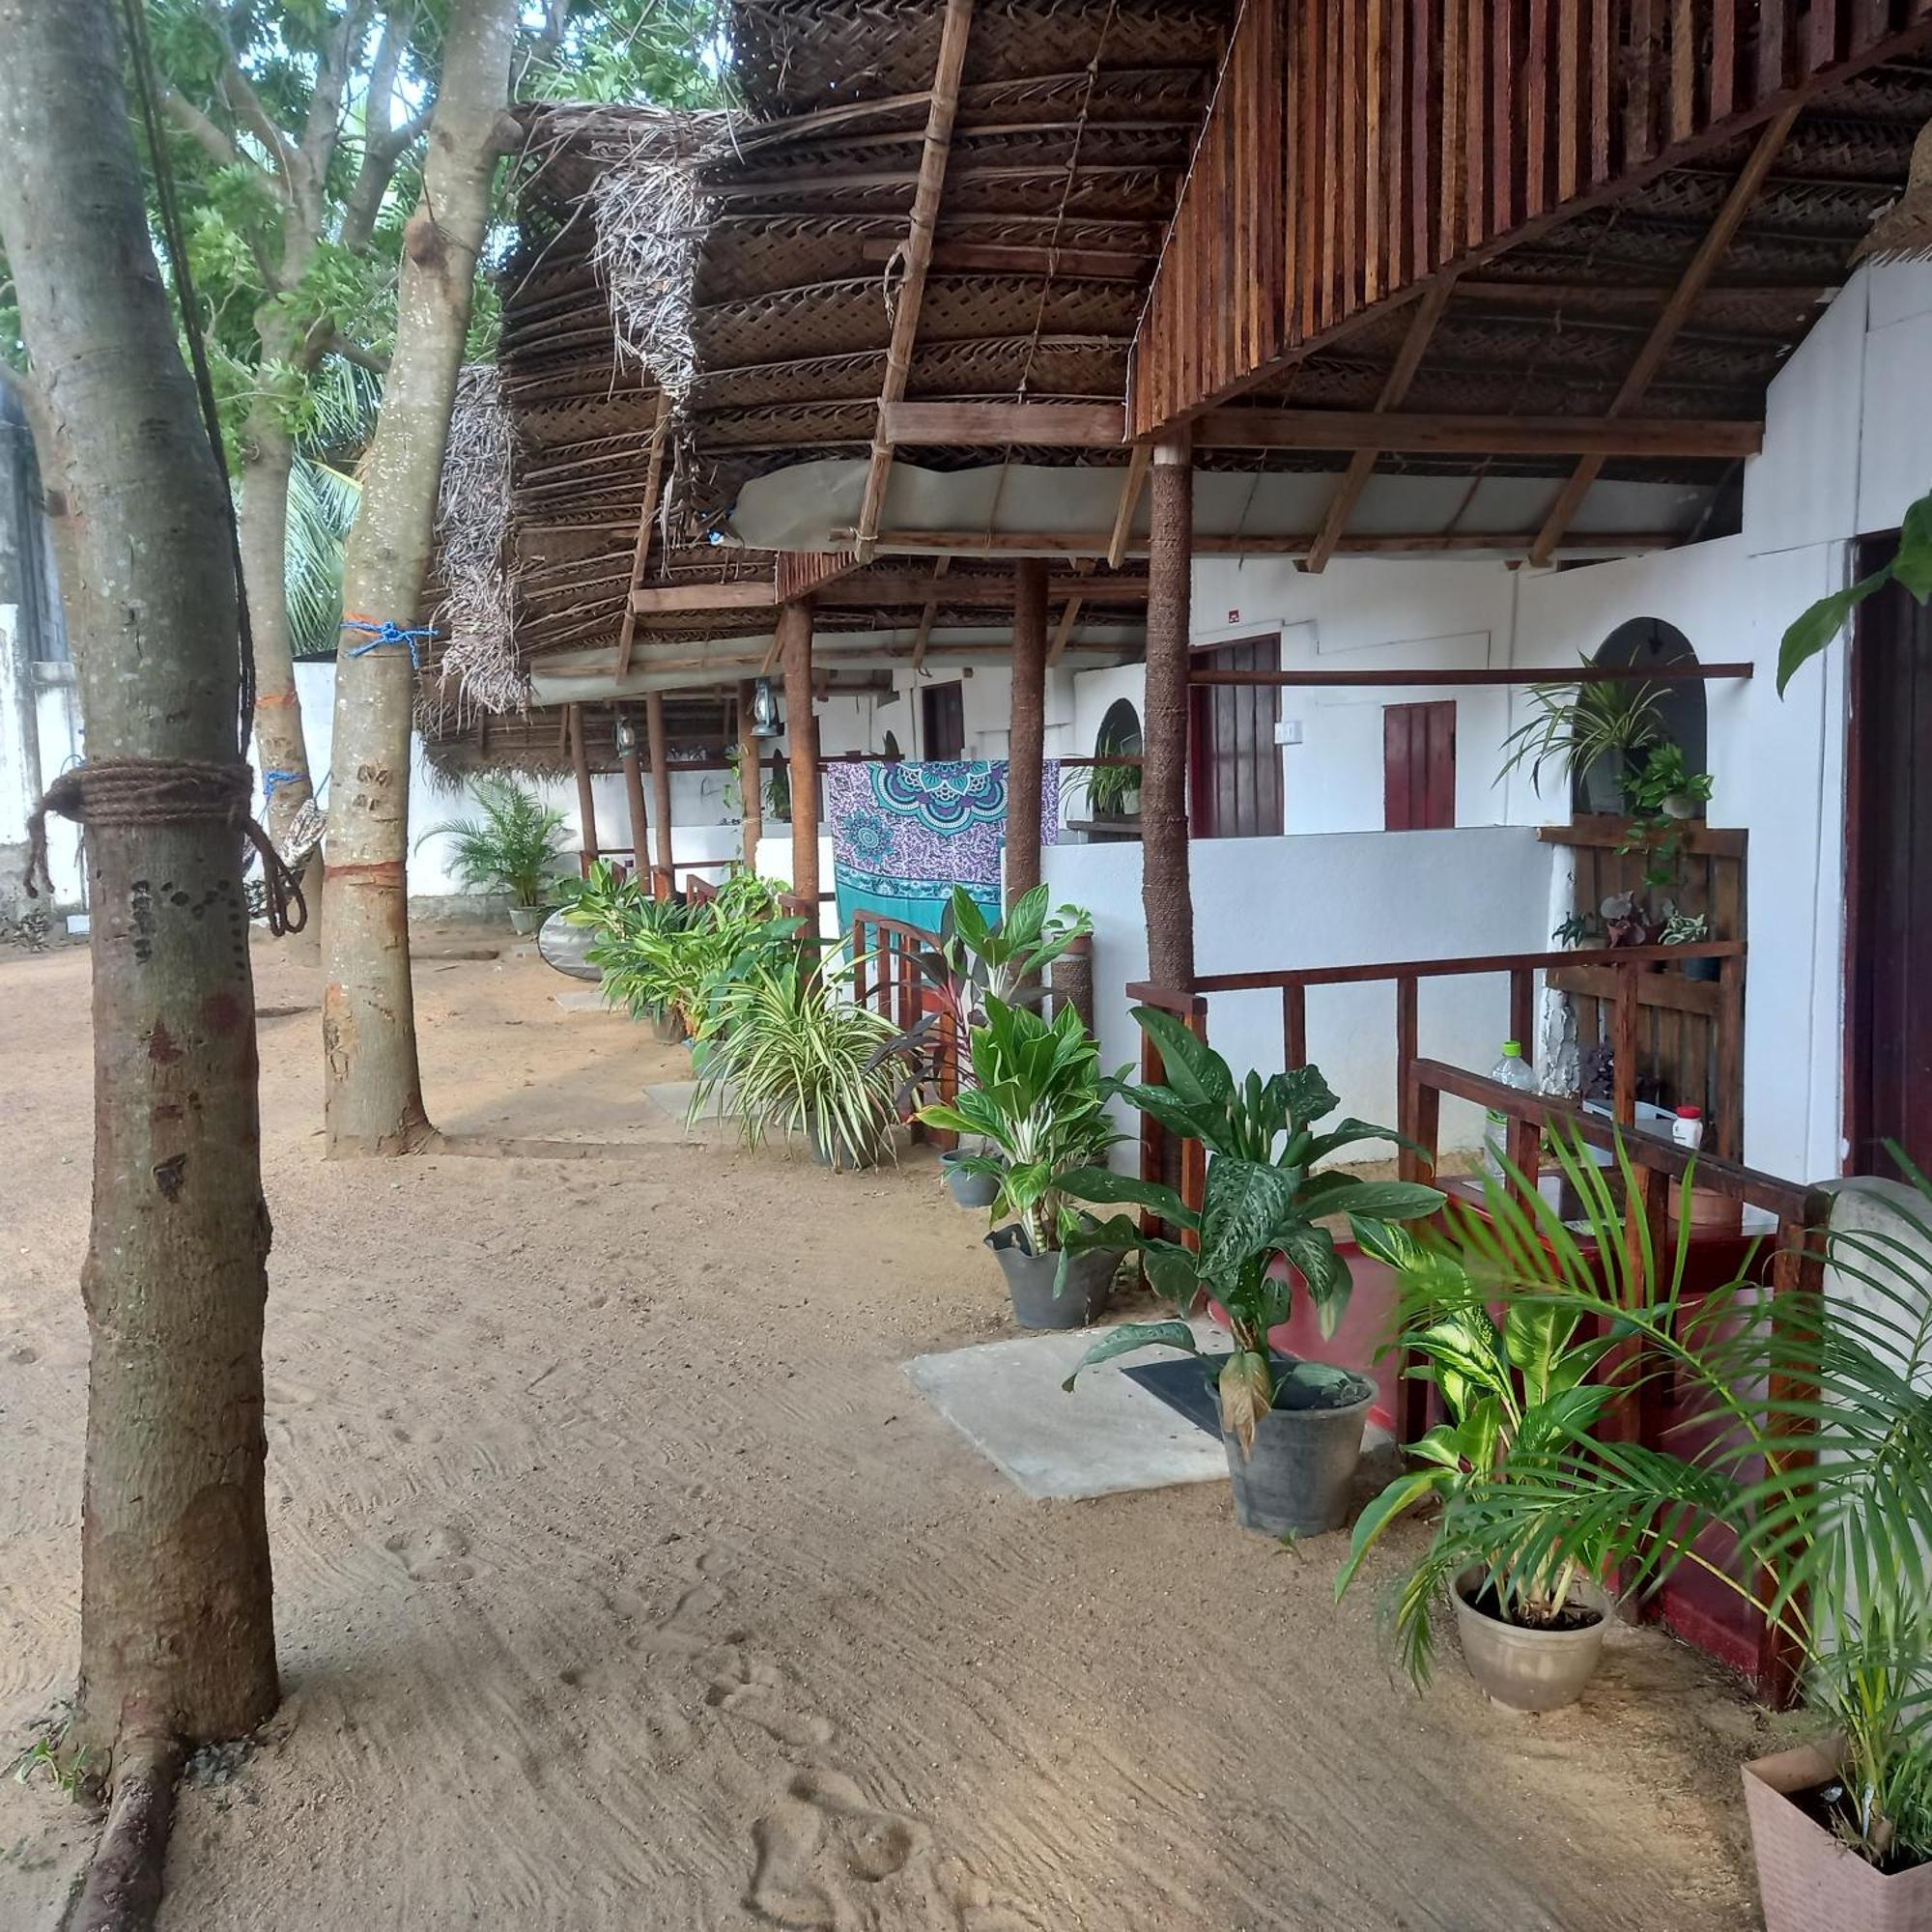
x=793, y=1052
x=515, y=847
x=1575, y=726
x=1036, y=1096
x=997, y=962
x=1816, y=626
x=670, y=958
x=1580, y=928
x=1664, y=797
x=1108, y=787
x=1684, y=929
x=1513, y=1386
x=605, y=899
x=1819, y=1463
x=1263, y=1199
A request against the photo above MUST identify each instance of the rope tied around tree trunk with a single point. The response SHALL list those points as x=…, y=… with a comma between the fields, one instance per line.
x=127, y=792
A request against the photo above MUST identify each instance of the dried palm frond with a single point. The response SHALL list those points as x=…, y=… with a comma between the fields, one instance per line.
x=1903, y=231
x=480, y=665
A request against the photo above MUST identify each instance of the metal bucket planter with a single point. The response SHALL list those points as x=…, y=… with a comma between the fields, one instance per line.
x=1030, y=1277
x=1296, y=1480
x=968, y=1191
x=1530, y=1669
x=1807, y=1878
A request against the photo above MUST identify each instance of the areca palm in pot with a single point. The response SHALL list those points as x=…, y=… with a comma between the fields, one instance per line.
x=1819, y=1471
x=1532, y=1627
x=1037, y=1105
x=1292, y=1429
x=515, y=847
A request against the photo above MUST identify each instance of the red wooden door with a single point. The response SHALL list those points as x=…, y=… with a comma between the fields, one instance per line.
x=1889, y=896
x=1234, y=763
x=1419, y=766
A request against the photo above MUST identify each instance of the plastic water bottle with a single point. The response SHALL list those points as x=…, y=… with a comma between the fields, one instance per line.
x=1511, y=1070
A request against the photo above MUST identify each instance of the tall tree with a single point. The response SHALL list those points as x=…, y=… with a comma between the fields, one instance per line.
x=177, y=1633
x=372, y=1083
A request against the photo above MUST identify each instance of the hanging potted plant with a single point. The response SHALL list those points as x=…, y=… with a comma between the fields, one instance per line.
x=1293, y=1430
x=515, y=847
x=1038, y=1105
x=1594, y=732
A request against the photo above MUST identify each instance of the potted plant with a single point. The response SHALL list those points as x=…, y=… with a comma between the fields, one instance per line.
x=1532, y=1629
x=1037, y=1104
x=1293, y=1430
x=515, y=847
x=1821, y=1470
x=1595, y=731
x=1689, y=929
x=790, y=1051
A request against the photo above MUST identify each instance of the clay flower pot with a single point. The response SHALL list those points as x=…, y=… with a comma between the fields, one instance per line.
x=1527, y=1669
x=1808, y=1881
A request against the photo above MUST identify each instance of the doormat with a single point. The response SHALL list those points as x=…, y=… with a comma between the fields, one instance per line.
x=1186, y=1388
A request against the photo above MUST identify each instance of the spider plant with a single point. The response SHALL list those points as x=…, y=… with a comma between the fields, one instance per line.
x=793, y=1052
x=1821, y=1467
x=1037, y=1097
x=1575, y=726
x=515, y=847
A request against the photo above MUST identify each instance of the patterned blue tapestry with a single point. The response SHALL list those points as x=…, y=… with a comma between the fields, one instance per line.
x=903, y=834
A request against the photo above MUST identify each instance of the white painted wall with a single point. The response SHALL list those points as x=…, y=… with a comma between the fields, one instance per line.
x=1328, y=899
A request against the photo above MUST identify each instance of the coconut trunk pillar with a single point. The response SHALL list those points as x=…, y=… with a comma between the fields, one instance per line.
x=750, y=775
x=654, y=727
x=586, y=802
x=1026, y=738
x=634, y=795
x=802, y=730
x=1166, y=894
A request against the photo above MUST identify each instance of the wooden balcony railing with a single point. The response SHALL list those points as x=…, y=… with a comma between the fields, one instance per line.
x=1354, y=147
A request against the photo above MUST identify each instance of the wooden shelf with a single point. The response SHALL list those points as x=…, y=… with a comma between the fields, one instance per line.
x=1669, y=989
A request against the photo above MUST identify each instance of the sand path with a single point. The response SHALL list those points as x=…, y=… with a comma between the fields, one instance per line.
x=624, y=1581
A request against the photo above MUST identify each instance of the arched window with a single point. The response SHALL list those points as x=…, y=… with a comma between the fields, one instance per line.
x=1647, y=644
x=1113, y=788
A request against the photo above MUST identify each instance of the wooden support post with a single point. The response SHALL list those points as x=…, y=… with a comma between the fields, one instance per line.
x=1523, y=1011
x=1166, y=895
x=1294, y=1026
x=751, y=776
x=633, y=797
x=1026, y=741
x=1622, y=1045
x=586, y=802
x=802, y=734
x=654, y=727
x=1407, y=990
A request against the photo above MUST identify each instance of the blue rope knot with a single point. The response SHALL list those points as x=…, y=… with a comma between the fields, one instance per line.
x=387, y=632
x=273, y=782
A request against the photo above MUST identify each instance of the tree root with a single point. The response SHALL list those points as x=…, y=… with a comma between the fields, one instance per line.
x=123, y=1892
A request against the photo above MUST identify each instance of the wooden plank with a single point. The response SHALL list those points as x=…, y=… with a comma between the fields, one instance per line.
x=1607, y=832
x=1382, y=679
x=1664, y=992
x=1463, y=968
x=1624, y=1044
x=742, y=593
x=1047, y=425
x=1262, y=543
x=941, y=109
x=1657, y=346
x=1467, y=435
x=1132, y=488
x=647, y=518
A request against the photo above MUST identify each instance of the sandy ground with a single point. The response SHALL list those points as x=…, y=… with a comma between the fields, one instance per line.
x=623, y=1580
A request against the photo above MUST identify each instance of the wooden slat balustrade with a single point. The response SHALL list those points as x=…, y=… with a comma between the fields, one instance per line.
x=1358, y=148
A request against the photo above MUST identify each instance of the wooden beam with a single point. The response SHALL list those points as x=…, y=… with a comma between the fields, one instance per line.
x=1129, y=503
x=883, y=591
x=1555, y=674
x=1093, y=544
x=641, y=823
x=1097, y=426
x=1069, y=615
x=941, y=107
x=1167, y=897
x=1026, y=741
x=1474, y=436
x=751, y=778
x=922, y=638
x=802, y=736
x=647, y=517
x=1361, y=465
x=1048, y=425
x=742, y=593
x=1650, y=359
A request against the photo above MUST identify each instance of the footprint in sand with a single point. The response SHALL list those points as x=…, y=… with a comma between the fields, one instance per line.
x=818, y=1846
x=747, y=1689
x=438, y=1555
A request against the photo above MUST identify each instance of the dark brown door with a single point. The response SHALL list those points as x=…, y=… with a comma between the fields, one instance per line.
x=1889, y=942
x=943, y=721
x=1419, y=766
x=1234, y=763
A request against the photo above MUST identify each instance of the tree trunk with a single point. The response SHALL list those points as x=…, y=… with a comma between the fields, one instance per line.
x=371, y=1085
x=751, y=776
x=175, y=1596
x=281, y=747
x=1026, y=740
x=802, y=736
x=1166, y=895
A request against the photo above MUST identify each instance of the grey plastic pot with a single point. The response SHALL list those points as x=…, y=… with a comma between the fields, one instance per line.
x=527, y=918
x=1296, y=1480
x=1530, y=1669
x=1030, y=1280
x=970, y=1190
